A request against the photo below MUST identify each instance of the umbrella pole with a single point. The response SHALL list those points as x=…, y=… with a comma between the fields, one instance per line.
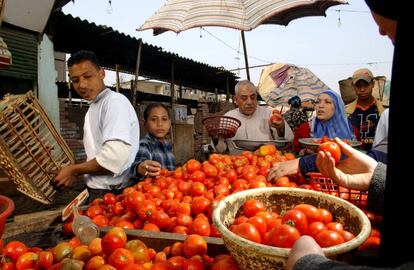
x=245, y=56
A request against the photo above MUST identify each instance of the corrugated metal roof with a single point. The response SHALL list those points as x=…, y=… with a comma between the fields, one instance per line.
x=71, y=34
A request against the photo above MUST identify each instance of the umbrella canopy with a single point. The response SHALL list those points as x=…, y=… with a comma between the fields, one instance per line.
x=244, y=15
x=279, y=82
x=180, y=15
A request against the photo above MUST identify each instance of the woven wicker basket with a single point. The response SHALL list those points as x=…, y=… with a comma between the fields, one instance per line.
x=220, y=126
x=250, y=255
x=31, y=149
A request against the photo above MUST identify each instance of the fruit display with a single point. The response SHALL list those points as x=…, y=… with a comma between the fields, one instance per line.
x=115, y=251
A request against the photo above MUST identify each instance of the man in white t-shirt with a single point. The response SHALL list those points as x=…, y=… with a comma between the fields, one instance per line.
x=111, y=131
x=254, y=119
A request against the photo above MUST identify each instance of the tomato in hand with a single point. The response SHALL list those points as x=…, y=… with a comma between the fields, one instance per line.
x=333, y=148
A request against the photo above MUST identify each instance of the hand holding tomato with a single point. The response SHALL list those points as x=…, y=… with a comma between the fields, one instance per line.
x=276, y=119
x=332, y=148
x=353, y=172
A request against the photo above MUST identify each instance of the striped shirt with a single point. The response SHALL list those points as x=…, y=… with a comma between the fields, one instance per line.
x=150, y=148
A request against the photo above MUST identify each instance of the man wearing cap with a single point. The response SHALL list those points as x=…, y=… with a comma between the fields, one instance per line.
x=364, y=112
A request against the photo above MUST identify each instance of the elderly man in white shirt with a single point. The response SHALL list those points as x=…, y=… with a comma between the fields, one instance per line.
x=254, y=119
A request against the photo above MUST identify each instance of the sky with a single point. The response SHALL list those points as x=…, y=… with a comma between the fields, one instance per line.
x=332, y=51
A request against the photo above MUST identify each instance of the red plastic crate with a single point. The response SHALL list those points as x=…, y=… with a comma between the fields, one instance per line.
x=327, y=185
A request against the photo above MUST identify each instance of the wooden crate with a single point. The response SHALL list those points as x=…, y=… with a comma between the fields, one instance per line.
x=31, y=149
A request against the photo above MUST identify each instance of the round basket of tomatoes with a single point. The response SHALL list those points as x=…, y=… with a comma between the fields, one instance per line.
x=255, y=249
x=329, y=186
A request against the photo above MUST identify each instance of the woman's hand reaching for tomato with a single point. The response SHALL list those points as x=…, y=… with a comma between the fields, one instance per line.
x=354, y=172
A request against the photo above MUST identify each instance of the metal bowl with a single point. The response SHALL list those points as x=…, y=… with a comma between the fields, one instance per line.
x=253, y=145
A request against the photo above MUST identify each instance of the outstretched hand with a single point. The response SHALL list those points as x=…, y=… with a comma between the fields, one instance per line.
x=353, y=172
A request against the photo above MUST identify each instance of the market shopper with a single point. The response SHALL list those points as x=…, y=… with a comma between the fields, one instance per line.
x=330, y=121
x=381, y=133
x=111, y=131
x=255, y=124
x=362, y=172
x=155, y=151
x=295, y=116
x=364, y=112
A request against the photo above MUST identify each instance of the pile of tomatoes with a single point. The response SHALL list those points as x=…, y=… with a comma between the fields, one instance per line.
x=114, y=252
x=181, y=201
x=263, y=226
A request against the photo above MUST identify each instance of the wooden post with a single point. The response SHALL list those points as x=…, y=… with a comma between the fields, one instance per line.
x=227, y=88
x=172, y=85
x=135, y=89
x=245, y=56
x=117, y=77
x=173, y=129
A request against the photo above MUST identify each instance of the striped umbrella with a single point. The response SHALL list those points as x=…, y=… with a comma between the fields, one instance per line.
x=244, y=15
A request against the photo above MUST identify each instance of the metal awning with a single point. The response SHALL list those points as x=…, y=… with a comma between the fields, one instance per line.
x=71, y=34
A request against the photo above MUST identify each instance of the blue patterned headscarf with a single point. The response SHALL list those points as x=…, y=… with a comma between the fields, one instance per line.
x=338, y=125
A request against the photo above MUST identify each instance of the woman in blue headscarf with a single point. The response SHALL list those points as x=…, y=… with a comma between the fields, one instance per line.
x=330, y=121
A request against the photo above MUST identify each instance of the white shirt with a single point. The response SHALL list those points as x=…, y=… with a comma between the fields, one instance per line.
x=382, y=129
x=110, y=117
x=256, y=127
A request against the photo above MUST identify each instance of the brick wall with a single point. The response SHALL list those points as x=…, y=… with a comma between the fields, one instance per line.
x=71, y=128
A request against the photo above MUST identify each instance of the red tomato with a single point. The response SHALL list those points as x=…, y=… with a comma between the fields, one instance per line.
x=335, y=226
x=251, y=207
x=225, y=265
x=45, y=260
x=282, y=182
x=259, y=222
x=194, y=245
x=329, y=238
x=26, y=261
x=120, y=258
x=14, y=249
x=325, y=215
x=8, y=265
x=200, y=204
x=209, y=170
x=296, y=219
x=248, y=231
x=311, y=212
x=333, y=148
x=315, y=227
x=197, y=189
x=192, y=165
x=284, y=236
x=201, y=226
x=197, y=176
x=372, y=243
x=347, y=235
x=110, y=242
x=109, y=199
